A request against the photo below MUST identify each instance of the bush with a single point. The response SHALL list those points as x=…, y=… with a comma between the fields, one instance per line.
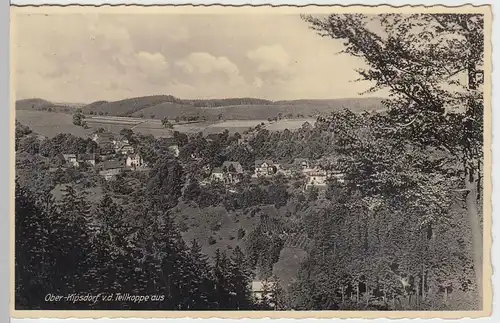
x=211, y=241
x=215, y=226
x=241, y=233
x=183, y=227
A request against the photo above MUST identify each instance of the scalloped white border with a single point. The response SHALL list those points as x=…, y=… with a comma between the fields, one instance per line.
x=496, y=95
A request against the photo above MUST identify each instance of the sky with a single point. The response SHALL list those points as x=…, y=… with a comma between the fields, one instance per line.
x=81, y=58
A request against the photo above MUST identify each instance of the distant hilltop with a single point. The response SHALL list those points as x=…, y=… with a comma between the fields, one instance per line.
x=160, y=106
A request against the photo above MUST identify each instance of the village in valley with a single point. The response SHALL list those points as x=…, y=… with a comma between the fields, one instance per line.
x=114, y=155
x=119, y=163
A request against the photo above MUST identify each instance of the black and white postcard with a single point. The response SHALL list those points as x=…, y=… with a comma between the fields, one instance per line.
x=253, y=161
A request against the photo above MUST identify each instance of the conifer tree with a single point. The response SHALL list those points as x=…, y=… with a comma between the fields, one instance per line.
x=31, y=271
x=241, y=279
x=201, y=281
x=222, y=289
x=278, y=296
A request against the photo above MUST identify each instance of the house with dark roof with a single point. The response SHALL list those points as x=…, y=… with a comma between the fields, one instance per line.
x=232, y=172
x=105, y=142
x=106, y=148
x=112, y=164
x=88, y=159
x=123, y=148
x=229, y=173
x=122, y=145
x=230, y=166
x=103, y=137
x=110, y=169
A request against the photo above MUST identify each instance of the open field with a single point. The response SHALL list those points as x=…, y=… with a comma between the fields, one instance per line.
x=51, y=123
x=160, y=106
x=290, y=124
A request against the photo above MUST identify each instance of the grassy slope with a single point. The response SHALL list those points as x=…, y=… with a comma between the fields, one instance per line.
x=203, y=223
x=30, y=104
x=50, y=123
x=168, y=109
x=257, y=111
x=125, y=107
x=166, y=106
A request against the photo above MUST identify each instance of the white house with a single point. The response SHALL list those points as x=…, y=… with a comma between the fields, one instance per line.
x=265, y=168
x=316, y=178
x=217, y=175
x=261, y=289
x=71, y=159
x=174, y=149
x=134, y=161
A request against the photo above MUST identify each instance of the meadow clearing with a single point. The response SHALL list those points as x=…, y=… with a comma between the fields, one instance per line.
x=51, y=123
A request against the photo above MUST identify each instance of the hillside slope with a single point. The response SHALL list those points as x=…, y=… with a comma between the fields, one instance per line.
x=168, y=109
x=168, y=106
x=32, y=104
x=160, y=106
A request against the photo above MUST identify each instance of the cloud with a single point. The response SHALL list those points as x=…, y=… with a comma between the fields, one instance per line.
x=257, y=82
x=272, y=59
x=90, y=57
x=207, y=66
x=153, y=65
x=206, y=63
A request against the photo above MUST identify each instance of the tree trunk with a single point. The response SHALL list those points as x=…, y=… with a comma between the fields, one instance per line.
x=417, y=296
x=477, y=236
x=471, y=185
x=357, y=293
x=423, y=282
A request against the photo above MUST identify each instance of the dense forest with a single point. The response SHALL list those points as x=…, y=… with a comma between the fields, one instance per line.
x=402, y=232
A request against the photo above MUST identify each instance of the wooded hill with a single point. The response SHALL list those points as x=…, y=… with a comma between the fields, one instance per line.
x=160, y=106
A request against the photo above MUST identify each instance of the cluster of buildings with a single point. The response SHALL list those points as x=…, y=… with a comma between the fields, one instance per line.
x=315, y=176
x=114, y=155
x=228, y=173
